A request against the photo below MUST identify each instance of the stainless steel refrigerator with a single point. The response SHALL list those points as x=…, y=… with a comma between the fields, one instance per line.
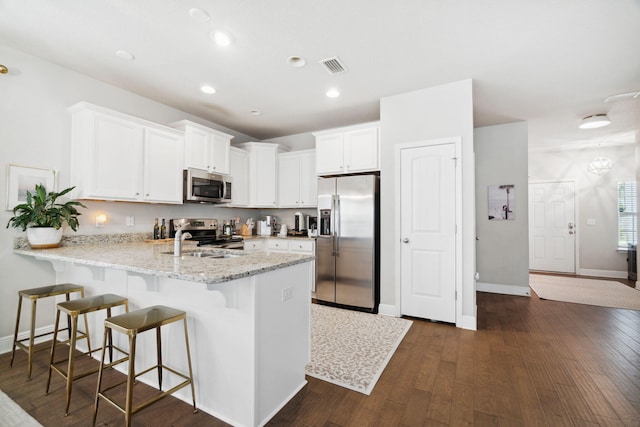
x=347, y=252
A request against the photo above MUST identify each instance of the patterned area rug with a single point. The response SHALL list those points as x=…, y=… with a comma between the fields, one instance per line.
x=604, y=293
x=350, y=348
x=12, y=415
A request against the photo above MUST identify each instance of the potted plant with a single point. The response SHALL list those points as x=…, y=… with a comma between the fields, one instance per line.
x=43, y=218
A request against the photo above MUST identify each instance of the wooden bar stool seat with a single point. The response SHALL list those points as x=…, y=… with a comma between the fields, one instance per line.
x=34, y=295
x=73, y=309
x=132, y=324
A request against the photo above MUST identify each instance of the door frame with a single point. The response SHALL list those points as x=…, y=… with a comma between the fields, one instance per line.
x=576, y=211
x=457, y=141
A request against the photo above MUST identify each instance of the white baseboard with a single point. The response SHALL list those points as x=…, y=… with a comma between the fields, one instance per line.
x=388, y=310
x=7, y=342
x=470, y=322
x=495, y=288
x=603, y=273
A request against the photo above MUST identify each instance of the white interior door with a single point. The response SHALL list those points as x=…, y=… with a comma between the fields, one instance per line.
x=552, y=227
x=428, y=231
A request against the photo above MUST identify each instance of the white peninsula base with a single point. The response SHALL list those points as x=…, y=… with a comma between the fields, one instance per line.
x=249, y=337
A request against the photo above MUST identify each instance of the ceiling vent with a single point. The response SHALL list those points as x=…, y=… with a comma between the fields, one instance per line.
x=333, y=65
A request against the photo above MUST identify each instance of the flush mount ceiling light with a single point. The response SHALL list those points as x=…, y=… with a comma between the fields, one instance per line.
x=209, y=90
x=333, y=93
x=594, y=121
x=199, y=15
x=600, y=165
x=221, y=37
x=125, y=54
x=296, y=61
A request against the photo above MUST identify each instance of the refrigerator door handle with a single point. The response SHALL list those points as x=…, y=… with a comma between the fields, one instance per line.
x=333, y=225
x=337, y=224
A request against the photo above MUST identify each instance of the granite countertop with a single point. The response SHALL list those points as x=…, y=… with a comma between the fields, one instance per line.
x=145, y=258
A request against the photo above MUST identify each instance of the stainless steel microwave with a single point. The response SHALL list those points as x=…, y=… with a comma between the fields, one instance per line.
x=200, y=186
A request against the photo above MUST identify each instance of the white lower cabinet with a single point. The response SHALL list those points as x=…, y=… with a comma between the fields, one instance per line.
x=115, y=156
x=253, y=245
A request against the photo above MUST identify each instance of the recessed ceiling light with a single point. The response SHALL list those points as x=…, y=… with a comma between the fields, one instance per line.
x=199, y=15
x=255, y=112
x=221, y=37
x=296, y=61
x=125, y=54
x=333, y=93
x=594, y=121
x=209, y=90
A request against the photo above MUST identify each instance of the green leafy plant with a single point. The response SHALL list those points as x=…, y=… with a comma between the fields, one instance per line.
x=41, y=210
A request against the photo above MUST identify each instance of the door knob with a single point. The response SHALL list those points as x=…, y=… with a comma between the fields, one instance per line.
x=405, y=240
x=570, y=232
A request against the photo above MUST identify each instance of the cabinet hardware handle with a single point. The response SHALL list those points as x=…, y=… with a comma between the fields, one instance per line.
x=405, y=240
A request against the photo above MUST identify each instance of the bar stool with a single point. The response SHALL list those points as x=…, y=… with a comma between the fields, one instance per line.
x=34, y=295
x=132, y=324
x=74, y=308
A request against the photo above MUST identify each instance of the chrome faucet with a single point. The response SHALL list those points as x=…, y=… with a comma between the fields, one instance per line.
x=177, y=242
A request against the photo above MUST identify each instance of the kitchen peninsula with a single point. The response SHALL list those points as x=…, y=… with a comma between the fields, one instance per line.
x=248, y=317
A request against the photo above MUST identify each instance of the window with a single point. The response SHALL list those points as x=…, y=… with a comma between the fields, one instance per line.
x=627, y=214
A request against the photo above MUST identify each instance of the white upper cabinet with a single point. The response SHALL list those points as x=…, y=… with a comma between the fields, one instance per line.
x=115, y=156
x=263, y=174
x=239, y=171
x=348, y=150
x=162, y=161
x=205, y=148
x=297, y=179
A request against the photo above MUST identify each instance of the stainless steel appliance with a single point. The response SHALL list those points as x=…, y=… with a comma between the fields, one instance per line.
x=200, y=186
x=312, y=226
x=300, y=222
x=348, y=245
x=205, y=232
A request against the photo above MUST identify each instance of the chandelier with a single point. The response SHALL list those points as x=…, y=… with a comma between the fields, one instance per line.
x=600, y=165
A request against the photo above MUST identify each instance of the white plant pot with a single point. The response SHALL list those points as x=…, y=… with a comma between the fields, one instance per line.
x=44, y=237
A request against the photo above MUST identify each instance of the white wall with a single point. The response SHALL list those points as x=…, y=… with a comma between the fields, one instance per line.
x=502, y=248
x=300, y=141
x=433, y=113
x=596, y=199
x=35, y=131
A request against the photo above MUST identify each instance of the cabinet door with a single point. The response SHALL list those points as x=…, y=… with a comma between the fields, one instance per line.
x=263, y=164
x=329, y=154
x=361, y=150
x=239, y=171
x=308, y=180
x=277, y=245
x=115, y=154
x=162, y=166
x=219, y=151
x=289, y=181
x=197, y=149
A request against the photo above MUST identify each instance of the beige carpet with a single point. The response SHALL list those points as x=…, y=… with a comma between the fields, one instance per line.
x=12, y=415
x=604, y=293
x=351, y=348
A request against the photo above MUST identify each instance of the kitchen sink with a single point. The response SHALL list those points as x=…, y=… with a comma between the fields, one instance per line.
x=206, y=254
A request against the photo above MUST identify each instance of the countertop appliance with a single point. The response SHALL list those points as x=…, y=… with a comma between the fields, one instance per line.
x=300, y=222
x=348, y=243
x=200, y=186
x=205, y=232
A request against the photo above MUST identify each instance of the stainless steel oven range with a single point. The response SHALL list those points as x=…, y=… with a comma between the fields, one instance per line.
x=205, y=232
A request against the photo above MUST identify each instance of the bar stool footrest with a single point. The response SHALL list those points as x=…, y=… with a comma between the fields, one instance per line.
x=151, y=400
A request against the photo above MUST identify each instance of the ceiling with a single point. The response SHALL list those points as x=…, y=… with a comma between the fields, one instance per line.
x=547, y=62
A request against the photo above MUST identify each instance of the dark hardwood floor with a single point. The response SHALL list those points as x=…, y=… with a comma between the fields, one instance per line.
x=531, y=362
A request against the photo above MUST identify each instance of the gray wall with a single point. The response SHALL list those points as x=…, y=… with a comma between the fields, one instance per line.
x=300, y=141
x=427, y=114
x=502, y=249
x=596, y=199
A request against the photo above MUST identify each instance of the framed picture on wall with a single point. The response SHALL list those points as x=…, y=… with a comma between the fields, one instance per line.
x=21, y=179
x=502, y=202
